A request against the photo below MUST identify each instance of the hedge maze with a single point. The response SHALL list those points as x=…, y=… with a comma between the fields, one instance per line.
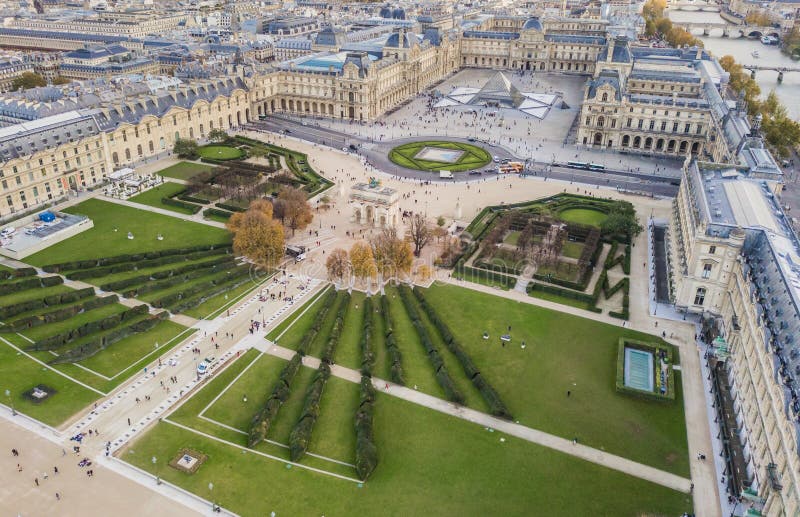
x=540, y=244
x=177, y=279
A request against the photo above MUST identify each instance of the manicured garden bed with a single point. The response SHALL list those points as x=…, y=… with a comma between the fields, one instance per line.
x=432, y=156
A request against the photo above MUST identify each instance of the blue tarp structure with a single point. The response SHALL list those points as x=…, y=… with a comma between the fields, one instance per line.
x=47, y=217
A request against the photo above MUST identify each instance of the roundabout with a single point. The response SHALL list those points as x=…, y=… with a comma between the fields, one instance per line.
x=437, y=155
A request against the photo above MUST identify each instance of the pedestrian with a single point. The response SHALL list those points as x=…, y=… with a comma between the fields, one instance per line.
x=129, y=421
x=691, y=488
x=58, y=496
x=569, y=393
x=55, y=470
x=36, y=481
x=45, y=476
x=19, y=468
x=14, y=452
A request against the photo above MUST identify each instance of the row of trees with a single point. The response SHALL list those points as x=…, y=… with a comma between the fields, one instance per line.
x=262, y=421
x=27, y=80
x=386, y=254
x=366, y=451
x=658, y=24
x=780, y=131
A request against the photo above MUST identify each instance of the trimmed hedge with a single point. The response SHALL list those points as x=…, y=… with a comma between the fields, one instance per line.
x=216, y=212
x=48, y=301
x=181, y=204
x=451, y=391
x=29, y=283
x=109, y=322
x=193, y=199
x=230, y=208
x=259, y=428
x=119, y=259
x=366, y=451
x=367, y=353
x=169, y=301
x=329, y=350
x=395, y=356
x=311, y=333
x=496, y=406
x=89, y=349
x=58, y=314
x=300, y=436
x=17, y=273
x=167, y=278
x=468, y=272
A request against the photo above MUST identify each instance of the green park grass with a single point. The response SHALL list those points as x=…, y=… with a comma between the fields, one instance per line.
x=154, y=196
x=429, y=463
x=583, y=216
x=572, y=249
x=474, y=157
x=512, y=238
x=220, y=152
x=185, y=170
x=104, y=241
x=564, y=352
x=19, y=373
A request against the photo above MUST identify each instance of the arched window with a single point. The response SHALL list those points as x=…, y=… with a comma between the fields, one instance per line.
x=605, y=97
x=700, y=296
x=601, y=121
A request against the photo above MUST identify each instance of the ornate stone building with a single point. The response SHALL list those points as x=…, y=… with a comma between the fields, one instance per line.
x=735, y=260
x=649, y=101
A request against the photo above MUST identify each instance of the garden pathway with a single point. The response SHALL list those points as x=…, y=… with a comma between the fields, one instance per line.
x=519, y=431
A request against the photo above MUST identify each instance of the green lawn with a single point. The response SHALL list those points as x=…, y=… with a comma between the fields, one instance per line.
x=429, y=463
x=512, y=238
x=220, y=152
x=32, y=294
x=131, y=350
x=104, y=241
x=572, y=249
x=299, y=320
x=185, y=170
x=564, y=352
x=154, y=196
x=19, y=374
x=583, y=216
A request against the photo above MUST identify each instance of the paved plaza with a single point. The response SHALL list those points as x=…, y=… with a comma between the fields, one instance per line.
x=540, y=140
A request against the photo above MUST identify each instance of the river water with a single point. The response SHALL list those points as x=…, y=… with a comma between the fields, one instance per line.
x=741, y=49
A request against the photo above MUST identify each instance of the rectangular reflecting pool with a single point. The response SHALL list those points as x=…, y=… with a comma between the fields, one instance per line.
x=638, y=369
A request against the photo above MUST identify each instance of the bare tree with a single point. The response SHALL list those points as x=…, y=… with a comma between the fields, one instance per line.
x=420, y=232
